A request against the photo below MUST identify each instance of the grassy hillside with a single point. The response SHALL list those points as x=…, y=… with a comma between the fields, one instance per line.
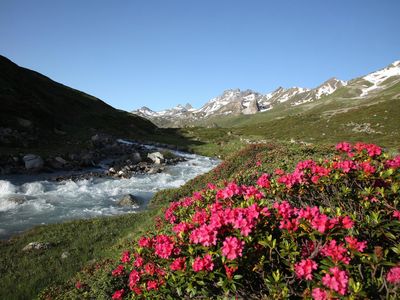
x=46, y=115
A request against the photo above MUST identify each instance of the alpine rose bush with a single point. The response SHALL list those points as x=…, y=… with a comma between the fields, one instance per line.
x=328, y=229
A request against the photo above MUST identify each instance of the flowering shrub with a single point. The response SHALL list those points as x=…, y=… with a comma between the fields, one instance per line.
x=329, y=229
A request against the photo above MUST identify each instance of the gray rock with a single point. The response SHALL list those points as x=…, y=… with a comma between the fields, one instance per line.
x=24, y=122
x=252, y=108
x=101, y=139
x=61, y=160
x=136, y=158
x=156, y=157
x=59, y=132
x=155, y=170
x=33, y=162
x=18, y=199
x=128, y=200
x=36, y=246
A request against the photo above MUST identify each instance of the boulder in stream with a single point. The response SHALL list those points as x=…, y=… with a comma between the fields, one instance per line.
x=33, y=162
x=156, y=157
x=17, y=199
x=128, y=200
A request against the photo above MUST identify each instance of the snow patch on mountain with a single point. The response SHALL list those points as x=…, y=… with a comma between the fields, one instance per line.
x=378, y=77
x=236, y=101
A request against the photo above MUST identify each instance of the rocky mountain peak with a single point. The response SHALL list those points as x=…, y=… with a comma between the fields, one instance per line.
x=235, y=101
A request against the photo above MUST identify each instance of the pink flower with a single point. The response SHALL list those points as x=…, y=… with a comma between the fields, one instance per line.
x=396, y=214
x=150, y=268
x=244, y=224
x=251, y=191
x=322, y=223
x=232, y=247
x=126, y=257
x=304, y=268
x=337, y=252
x=289, y=224
x=145, y=242
x=200, y=217
x=118, y=294
x=178, y=264
x=347, y=222
x=344, y=147
x=230, y=271
x=138, y=261
x=319, y=294
x=211, y=186
x=203, y=264
x=169, y=213
x=284, y=209
x=187, y=202
x=163, y=246
x=354, y=244
x=393, y=275
x=205, y=235
x=346, y=166
x=367, y=168
x=371, y=149
x=336, y=281
x=182, y=227
x=152, y=285
x=308, y=213
x=78, y=285
x=134, y=278
x=394, y=163
x=229, y=191
x=263, y=181
x=118, y=271
x=136, y=290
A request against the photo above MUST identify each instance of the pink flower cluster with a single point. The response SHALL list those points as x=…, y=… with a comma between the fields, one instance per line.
x=203, y=263
x=304, y=268
x=393, y=275
x=371, y=149
x=163, y=246
x=218, y=229
x=232, y=247
x=337, y=280
x=337, y=252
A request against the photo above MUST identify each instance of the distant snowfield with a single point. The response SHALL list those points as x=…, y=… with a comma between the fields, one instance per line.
x=376, y=78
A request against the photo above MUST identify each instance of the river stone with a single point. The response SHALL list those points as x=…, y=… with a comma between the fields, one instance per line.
x=128, y=200
x=61, y=160
x=24, y=122
x=155, y=170
x=36, y=246
x=156, y=157
x=33, y=161
x=136, y=158
x=18, y=199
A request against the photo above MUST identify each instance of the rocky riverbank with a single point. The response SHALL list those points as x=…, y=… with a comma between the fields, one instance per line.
x=111, y=156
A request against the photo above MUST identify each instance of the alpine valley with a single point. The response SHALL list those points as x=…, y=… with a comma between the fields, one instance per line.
x=359, y=107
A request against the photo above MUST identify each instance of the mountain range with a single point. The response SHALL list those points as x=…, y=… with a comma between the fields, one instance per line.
x=235, y=102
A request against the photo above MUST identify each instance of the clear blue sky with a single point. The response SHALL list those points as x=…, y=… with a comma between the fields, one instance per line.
x=165, y=52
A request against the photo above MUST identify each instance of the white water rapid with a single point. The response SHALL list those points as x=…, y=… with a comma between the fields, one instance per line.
x=29, y=202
